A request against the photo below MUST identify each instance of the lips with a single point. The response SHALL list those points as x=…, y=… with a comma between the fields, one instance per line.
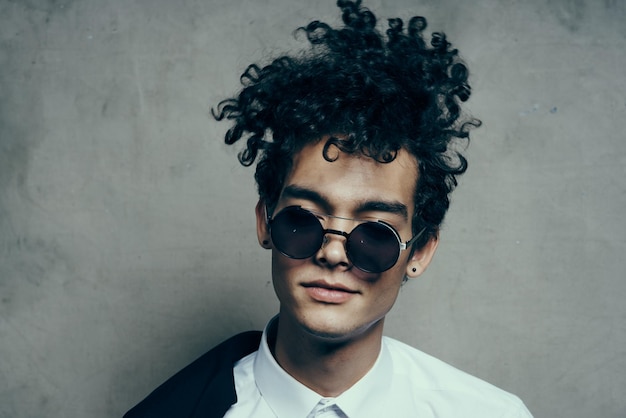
x=325, y=292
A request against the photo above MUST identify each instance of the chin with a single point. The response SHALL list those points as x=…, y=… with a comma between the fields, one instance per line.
x=328, y=329
x=328, y=334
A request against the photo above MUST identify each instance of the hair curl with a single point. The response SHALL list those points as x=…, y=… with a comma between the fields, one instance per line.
x=380, y=94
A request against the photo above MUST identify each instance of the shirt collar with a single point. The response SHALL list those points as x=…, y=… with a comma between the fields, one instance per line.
x=289, y=398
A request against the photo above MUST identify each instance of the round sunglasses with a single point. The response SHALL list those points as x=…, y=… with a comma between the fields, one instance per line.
x=373, y=247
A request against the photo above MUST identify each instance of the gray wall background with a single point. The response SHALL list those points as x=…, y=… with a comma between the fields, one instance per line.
x=127, y=244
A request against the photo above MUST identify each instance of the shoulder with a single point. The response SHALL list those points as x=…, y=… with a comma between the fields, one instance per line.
x=450, y=389
x=205, y=379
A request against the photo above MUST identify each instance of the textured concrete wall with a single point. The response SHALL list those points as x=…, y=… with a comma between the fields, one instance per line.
x=127, y=243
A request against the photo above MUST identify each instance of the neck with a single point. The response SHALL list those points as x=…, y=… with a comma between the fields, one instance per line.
x=327, y=366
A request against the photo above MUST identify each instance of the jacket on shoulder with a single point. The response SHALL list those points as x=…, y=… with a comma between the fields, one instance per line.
x=203, y=389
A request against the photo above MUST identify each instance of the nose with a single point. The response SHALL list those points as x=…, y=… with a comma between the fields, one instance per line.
x=333, y=254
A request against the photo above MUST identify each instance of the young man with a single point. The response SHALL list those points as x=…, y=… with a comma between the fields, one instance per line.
x=355, y=141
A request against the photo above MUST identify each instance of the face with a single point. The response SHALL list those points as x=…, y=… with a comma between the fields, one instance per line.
x=325, y=295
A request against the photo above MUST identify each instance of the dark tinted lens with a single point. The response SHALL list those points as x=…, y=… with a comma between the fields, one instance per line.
x=373, y=247
x=296, y=233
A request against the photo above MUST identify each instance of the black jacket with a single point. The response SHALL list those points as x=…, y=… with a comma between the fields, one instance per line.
x=203, y=389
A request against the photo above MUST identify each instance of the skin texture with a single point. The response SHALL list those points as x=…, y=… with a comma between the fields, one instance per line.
x=331, y=313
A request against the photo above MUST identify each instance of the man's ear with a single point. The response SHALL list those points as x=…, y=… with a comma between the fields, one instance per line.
x=262, y=228
x=421, y=258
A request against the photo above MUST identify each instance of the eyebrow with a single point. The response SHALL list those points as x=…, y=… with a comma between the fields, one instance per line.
x=298, y=192
x=395, y=208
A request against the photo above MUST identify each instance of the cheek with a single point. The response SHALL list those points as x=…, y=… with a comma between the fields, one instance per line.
x=282, y=265
x=389, y=285
x=386, y=298
x=388, y=280
x=284, y=272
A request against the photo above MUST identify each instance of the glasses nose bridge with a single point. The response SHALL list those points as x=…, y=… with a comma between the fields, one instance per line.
x=335, y=232
x=337, y=225
x=334, y=251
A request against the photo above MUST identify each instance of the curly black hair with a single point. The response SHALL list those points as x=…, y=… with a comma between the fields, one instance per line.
x=378, y=94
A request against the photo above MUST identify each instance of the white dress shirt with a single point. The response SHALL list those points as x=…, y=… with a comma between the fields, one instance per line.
x=404, y=382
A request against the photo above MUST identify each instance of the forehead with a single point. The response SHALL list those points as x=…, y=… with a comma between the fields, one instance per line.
x=354, y=177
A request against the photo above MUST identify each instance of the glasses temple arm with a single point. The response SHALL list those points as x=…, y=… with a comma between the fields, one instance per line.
x=405, y=245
